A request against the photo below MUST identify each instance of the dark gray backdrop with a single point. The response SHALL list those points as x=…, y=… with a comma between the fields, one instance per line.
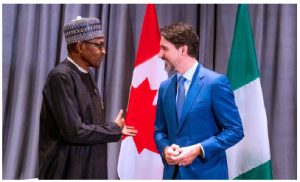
x=33, y=44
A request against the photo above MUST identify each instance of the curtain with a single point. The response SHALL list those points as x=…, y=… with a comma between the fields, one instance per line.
x=33, y=43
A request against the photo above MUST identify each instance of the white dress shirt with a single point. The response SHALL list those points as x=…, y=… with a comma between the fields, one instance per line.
x=80, y=68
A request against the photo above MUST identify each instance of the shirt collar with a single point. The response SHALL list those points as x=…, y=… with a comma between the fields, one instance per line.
x=188, y=75
x=80, y=68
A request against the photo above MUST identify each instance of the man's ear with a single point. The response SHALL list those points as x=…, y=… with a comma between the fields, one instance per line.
x=184, y=50
x=79, y=47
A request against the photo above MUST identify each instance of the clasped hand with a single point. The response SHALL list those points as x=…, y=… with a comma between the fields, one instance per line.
x=126, y=130
x=183, y=156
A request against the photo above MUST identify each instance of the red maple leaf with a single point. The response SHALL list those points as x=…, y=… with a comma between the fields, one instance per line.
x=141, y=114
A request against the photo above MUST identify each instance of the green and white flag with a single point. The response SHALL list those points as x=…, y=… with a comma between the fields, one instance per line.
x=250, y=158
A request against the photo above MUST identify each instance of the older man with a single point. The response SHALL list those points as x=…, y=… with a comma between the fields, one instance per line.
x=73, y=132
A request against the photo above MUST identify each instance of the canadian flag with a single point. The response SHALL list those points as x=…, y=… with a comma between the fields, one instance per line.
x=139, y=158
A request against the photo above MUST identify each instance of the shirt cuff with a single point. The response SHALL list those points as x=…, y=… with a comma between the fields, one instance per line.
x=203, y=153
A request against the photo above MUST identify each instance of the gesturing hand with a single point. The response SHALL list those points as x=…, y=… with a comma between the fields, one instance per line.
x=119, y=119
x=129, y=130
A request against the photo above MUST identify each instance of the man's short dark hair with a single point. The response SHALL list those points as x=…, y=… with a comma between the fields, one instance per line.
x=71, y=47
x=181, y=34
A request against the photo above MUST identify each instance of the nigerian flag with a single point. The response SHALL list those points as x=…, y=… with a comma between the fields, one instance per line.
x=250, y=158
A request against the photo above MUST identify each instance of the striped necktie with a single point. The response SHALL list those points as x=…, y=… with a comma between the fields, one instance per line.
x=180, y=96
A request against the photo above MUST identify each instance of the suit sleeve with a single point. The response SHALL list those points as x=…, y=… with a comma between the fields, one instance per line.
x=160, y=133
x=64, y=107
x=227, y=117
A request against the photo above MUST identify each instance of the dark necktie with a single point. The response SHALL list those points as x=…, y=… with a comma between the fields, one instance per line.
x=180, y=96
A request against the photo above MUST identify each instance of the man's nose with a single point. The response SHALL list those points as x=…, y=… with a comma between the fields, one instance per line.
x=160, y=54
x=103, y=50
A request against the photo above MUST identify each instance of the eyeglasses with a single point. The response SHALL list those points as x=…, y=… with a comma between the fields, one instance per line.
x=100, y=46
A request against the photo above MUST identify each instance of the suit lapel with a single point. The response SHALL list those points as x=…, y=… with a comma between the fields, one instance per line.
x=195, y=87
x=170, y=101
